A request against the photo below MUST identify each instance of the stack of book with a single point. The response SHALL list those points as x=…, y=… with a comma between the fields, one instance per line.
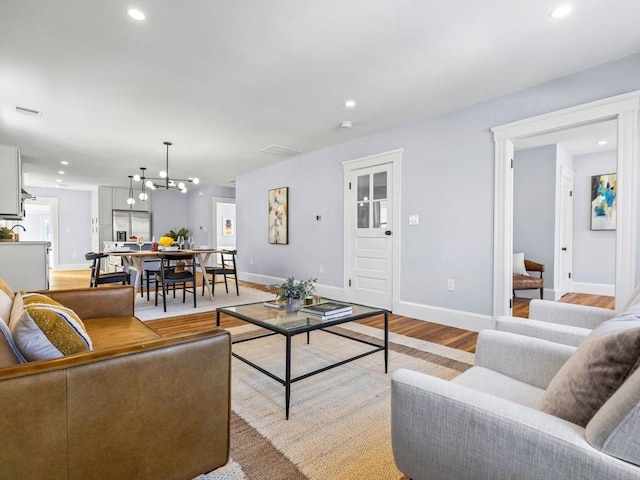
x=328, y=310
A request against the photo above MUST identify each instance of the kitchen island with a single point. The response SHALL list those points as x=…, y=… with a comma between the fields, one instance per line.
x=25, y=265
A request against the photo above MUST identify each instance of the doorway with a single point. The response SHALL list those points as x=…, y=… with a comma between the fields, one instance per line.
x=372, y=229
x=624, y=109
x=41, y=224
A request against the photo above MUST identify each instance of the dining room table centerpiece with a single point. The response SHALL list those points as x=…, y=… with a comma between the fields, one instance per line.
x=292, y=293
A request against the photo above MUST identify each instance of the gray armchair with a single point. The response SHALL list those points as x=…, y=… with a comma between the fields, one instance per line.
x=562, y=322
x=486, y=424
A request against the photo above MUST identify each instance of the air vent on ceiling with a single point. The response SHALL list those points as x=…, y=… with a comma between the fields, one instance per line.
x=280, y=151
x=28, y=111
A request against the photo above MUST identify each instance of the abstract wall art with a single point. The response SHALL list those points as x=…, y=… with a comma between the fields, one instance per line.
x=604, y=189
x=279, y=216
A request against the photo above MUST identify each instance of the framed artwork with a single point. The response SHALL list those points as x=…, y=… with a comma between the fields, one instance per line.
x=279, y=216
x=228, y=228
x=604, y=190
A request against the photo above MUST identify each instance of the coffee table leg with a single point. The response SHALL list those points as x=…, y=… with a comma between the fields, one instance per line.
x=386, y=341
x=287, y=381
x=217, y=318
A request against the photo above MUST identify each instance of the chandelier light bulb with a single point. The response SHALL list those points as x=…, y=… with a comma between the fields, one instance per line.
x=137, y=177
x=183, y=189
x=163, y=174
x=196, y=180
x=130, y=201
x=143, y=196
x=149, y=183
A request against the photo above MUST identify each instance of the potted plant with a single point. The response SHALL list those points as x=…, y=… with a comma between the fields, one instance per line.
x=293, y=293
x=6, y=234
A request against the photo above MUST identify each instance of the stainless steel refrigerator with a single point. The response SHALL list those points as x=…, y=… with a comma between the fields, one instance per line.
x=131, y=223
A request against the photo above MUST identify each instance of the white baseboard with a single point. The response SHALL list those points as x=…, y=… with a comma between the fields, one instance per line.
x=594, y=288
x=71, y=266
x=445, y=316
x=328, y=291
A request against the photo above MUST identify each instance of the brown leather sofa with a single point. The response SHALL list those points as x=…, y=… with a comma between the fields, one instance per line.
x=138, y=406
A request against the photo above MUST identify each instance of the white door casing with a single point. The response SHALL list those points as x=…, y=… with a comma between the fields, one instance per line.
x=371, y=230
x=624, y=108
x=564, y=246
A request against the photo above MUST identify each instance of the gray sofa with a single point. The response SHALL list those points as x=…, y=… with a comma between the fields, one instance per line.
x=487, y=422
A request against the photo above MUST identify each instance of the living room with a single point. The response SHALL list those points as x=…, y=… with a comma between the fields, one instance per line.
x=446, y=174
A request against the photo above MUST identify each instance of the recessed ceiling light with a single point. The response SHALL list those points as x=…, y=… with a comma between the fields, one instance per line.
x=350, y=103
x=561, y=11
x=346, y=124
x=58, y=180
x=60, y=172
x=602, y=142
x=64, y=162
x=136, y=14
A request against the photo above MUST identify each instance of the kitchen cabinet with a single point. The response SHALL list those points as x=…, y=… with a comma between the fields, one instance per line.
x=110, y=199
x=10, y=183
x=25, y=265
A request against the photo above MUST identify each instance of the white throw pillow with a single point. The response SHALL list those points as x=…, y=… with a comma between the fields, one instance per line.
x=518, y=264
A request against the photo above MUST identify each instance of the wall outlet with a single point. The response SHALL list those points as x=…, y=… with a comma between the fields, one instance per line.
x=321, y=269
x=450, y=285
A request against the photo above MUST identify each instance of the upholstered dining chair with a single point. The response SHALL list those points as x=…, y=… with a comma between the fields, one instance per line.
x=171, y=273
x=227, y=269
x=98, y=277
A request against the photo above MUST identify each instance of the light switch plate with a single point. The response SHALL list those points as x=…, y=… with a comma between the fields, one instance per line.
x=414, y=219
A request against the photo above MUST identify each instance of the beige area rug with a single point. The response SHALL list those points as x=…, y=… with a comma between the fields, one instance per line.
x=146, y=310
x=339, y=422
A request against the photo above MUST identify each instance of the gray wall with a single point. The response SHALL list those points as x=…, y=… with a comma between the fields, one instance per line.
x=74, y=223
x=534, y=207
x=594, y=252
x=447, y=178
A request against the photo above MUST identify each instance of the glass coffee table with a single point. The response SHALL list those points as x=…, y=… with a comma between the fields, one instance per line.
x=278, y=322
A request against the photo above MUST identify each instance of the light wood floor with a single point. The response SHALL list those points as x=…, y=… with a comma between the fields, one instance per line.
x=432, y=332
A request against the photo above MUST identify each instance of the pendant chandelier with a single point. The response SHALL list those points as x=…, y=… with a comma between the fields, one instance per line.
x=163, y=181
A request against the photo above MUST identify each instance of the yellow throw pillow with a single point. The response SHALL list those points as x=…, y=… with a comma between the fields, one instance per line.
x=44, y=329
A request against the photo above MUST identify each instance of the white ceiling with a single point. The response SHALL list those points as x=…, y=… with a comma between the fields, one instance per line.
x=223, y=79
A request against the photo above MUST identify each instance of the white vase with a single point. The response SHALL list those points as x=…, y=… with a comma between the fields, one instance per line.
x=292, y=305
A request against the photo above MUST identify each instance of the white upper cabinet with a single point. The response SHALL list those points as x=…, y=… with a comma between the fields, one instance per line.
x=10, y=182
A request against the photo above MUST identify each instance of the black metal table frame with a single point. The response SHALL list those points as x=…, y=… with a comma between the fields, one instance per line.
x=287, y=381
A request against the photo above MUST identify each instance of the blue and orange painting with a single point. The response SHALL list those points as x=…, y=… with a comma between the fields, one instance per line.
x=604, y=189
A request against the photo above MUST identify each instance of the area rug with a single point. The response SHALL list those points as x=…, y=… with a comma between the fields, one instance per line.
x=146, y=310
x=339, y=423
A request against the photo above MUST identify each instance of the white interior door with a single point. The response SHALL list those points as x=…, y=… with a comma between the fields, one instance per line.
x=371, y=269
x=565, y=263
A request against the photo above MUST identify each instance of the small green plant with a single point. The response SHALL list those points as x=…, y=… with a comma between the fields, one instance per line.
x=290, y=290
x=6, y=232
x=183, y=232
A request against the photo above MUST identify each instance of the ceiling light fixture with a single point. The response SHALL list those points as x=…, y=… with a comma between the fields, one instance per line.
x=64, y=162
x=136, y=14
x=602, y=142
x=61, y=172
x=131, y=200
x=350, y=103
x=346, y=124
x=561, y=11
x=166, y=182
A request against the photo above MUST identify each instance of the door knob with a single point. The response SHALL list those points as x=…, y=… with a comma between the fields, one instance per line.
x=388, y=232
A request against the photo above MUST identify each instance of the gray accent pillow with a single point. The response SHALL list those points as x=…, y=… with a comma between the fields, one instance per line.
x=602, y=363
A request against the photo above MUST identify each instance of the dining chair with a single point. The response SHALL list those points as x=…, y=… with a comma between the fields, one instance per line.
x=172, y=274
x=151, y=269
x=227, y=268
x=99, y=278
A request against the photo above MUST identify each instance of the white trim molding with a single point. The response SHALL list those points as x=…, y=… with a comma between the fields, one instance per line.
x=445, y=316
x=625, y=109
x=594, y=288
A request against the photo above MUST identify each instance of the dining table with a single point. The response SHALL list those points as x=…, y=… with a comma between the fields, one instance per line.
x=134, y=260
